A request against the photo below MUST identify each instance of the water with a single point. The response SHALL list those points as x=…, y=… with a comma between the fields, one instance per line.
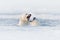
x=43, y=22
x=9, y=22
x=49, y=28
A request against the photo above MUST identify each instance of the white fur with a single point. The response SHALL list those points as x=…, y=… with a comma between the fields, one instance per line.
x=23, y=20
x=34, y=23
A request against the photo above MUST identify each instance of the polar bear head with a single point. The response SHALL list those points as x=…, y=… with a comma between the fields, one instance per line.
x=24, y=19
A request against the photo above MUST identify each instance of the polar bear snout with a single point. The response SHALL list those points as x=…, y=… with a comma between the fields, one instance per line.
x=28, y=17
x=34, y=18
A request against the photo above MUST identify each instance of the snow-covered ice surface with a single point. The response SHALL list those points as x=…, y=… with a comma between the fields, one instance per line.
x=48, y=30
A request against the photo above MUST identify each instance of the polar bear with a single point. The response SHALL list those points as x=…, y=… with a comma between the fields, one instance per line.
x=34, y=22
x=24, y=19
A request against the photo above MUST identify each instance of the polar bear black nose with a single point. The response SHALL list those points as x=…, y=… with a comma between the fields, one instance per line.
x=28, y=17
x=34, y=18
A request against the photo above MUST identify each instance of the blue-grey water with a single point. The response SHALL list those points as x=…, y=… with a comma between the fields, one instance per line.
x=9, y=22
x=14, y=22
